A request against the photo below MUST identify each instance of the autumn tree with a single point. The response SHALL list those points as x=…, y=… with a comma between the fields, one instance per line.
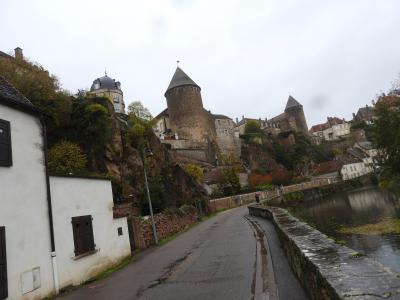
x=252, y=127
x=42, y=89
x=386, y=131
x=137, y=109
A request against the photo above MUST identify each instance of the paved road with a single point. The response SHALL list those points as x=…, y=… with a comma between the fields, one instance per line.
x=225, y=257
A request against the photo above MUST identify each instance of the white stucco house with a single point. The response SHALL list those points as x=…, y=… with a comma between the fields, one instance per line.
x=332, y=130
x=54, y=231
x=358, y=163
x=25, y=239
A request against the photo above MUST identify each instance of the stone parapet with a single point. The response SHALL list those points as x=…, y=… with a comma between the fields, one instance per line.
x=325, y=269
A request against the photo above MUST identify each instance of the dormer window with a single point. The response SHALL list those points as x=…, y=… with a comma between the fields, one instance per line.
x=97, y=85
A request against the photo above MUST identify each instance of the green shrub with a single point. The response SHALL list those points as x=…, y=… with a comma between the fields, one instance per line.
x=66, y=158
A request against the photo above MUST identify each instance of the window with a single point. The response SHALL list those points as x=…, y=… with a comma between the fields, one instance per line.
x=119, y=231
x=83, y=234
x=5, y=144
x=3, y=265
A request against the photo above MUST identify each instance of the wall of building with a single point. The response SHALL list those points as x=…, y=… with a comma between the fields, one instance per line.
x=297, y=114
x=24, y=210
x=187, y=116
x=73, y=197
x=227, y=142
x=357, y=169
x=115, y=96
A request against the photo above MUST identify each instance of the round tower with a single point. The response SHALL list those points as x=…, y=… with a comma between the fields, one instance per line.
x=108, y=87
x=295, y=110
x=187, y=116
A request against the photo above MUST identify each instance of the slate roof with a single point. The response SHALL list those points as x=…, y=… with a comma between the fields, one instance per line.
x=12, y=97
x=220, y=117
x=292, y=103
x=180, y=78
x=105, y=82
x=319, y=127
x=161, y=114
x=245, y=120
x=3, y=54
x=365, y=113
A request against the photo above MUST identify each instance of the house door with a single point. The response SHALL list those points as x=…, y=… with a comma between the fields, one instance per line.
x=3, y=265
x=131, y=234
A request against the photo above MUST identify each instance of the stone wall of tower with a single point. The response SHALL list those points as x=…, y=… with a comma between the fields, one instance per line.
x=187, y=116
x=297, y=114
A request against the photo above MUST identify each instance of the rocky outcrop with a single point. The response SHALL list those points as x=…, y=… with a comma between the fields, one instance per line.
x=125, y=165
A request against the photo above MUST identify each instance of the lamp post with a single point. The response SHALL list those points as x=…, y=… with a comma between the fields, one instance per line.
x=153, y=225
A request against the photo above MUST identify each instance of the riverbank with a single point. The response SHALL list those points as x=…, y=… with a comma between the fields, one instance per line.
x=326, y=269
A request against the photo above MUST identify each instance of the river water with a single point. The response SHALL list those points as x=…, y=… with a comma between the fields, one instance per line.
x=358, y=207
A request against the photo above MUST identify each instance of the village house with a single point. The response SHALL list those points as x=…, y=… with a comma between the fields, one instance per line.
x=356, y=163
x=364, y=114
x=54, y=231
x=333, y=129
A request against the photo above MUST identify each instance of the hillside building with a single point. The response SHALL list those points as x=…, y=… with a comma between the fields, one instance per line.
x=111, y=89
x=185, y=125
x=227, y=136
x=292, y=118
x=364, y=114
x=333, y=129
x=54, y=231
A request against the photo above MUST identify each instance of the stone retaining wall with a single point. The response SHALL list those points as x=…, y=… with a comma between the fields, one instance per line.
x=325, y=269
x=238, y=200
x=166, y=225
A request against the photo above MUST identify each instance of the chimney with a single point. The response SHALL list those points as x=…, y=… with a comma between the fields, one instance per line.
x=242, y=117
x=18, y=53
x=237, y=120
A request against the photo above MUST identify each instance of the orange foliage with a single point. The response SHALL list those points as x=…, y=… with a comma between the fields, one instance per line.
x=258, y=179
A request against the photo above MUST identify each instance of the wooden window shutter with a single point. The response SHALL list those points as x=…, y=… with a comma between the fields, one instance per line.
x=83, y=234
x=5, y=144
x=3, y=265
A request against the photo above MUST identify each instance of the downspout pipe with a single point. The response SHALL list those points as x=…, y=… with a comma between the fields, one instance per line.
x=50, y=210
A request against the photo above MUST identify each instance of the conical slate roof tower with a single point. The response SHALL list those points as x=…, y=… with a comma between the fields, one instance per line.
x=292, y=103
x=295, y=111
x=180, y=78
x=187, y=116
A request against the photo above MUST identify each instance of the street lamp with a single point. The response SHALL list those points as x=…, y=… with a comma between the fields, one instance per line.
x=149, y=153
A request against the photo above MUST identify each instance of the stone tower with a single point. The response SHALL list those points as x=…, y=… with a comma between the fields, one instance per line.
x=294, y=110
x=187, y=116
x=108, y=87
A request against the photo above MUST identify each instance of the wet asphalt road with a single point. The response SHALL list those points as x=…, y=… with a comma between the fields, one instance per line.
x=225, y=257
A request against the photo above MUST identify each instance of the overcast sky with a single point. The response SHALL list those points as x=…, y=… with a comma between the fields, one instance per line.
x=247, y=56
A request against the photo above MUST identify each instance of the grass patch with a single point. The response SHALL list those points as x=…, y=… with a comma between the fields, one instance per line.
x=114, y=269
x=386, y=226
x=357, y=255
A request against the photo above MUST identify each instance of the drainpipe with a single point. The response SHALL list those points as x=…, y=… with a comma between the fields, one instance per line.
x=50, y=210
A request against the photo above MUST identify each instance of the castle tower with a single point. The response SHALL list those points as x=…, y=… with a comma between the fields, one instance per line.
x=187, y=116
x=295, y=111
x=108, y=87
